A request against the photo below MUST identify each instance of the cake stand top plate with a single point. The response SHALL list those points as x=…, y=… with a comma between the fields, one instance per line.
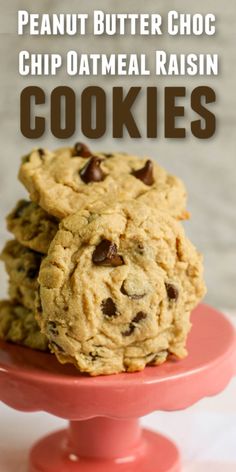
x=34, y=381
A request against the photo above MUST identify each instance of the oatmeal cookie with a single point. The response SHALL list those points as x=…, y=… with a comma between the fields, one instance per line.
x=117, y=288
x=32, y=226
x=22, y=265
x=67, y=179
x=18, y=325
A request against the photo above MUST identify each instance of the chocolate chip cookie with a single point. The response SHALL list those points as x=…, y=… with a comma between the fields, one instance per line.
x=32, y=226
x=68, y=179
x=18, y=325
x=117, y=288
x=22, y=265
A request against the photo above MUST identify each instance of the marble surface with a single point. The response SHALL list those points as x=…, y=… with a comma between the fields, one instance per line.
x=207, y=167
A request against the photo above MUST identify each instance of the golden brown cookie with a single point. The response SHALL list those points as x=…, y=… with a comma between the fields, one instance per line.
x=32, y=226
x=18, y=325
x=68, y=179
x=117, y=288
x=22, y=265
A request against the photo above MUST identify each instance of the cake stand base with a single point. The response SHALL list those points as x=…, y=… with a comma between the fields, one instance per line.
x=131, y=449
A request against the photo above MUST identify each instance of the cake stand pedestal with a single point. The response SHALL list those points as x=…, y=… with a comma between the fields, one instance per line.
x=104, y=433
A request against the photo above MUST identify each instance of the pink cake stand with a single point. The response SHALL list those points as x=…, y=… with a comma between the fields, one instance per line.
x=104, y=433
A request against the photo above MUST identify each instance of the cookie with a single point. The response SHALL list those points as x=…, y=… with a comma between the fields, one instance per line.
x=66, y=180
x=117, y=288
x=18, y=325
x=32, y=226
x=22, y=265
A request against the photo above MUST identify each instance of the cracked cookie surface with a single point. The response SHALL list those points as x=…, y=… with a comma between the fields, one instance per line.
x=22, y=265
x=18, y=325
x=117, y=288
x=63, y=181
x=32, y=226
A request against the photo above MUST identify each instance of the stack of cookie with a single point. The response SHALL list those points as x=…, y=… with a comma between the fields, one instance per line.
x=33, y=229
x=101, y=261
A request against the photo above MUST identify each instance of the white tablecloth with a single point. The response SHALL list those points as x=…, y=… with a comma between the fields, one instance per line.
x=205, y=433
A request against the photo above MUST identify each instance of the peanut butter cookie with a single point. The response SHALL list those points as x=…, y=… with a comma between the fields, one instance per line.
x=117, y=288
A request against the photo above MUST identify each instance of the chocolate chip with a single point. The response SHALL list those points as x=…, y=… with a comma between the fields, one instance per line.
x=52, y=324
x=32, y=272
x=139, y=317
x=172, y=291
x=145, y=173
x=82, y=150
x=92, y=171
x=52, y=328
x=133, y=296
x=41, y=152
x=20, y=208
x=129, y=331
x=105, y=254
x=107, y=154
x=108, y=307
x=93, y=356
